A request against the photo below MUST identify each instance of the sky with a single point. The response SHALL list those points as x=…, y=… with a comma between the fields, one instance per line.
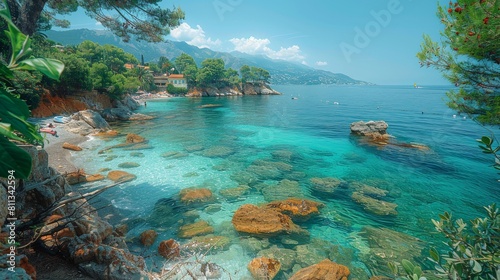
x=370, y=40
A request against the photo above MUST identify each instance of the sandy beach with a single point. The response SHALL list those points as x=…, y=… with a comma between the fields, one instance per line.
x=59, y=158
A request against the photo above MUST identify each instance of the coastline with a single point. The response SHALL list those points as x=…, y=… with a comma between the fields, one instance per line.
x=59, y=158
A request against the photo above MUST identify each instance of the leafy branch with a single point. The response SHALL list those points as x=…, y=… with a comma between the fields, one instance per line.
x=14, y=112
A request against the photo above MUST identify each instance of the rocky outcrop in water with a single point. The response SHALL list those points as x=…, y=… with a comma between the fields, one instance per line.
x=325, y=270
x=264, y=222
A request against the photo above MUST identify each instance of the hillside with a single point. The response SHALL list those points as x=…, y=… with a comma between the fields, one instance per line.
x=282, y=72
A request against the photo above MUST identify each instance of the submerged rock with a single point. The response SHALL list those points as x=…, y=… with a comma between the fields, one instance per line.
x=324, y=270
x=386, y=245
x=239, y=192
x=263, y=222
x=208, y=242
x=298, y=209
x=286, y=257
x=264, y=268
x=325, y=185
x=94, y=177
x=199, y=228
x=134, y=138
x=118, y=175
x=375, y=206
x=148, y=237
x=368, y=190
x=283, y=190
x=195, y=195
x=218, y=151
x=128, y=164
x=167, y=212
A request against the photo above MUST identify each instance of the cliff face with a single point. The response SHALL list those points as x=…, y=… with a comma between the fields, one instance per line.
x=55, y=105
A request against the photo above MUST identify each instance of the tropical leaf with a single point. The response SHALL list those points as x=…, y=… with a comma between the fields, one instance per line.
x=15, y=112
x=51, y=68
x=13, y=158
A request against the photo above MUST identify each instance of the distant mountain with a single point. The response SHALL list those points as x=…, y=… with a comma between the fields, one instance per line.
x=282, y=72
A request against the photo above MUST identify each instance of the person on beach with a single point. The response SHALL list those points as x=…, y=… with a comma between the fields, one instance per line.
x=145, y=105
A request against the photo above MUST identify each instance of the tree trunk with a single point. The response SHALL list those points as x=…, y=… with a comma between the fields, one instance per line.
x=26, y=16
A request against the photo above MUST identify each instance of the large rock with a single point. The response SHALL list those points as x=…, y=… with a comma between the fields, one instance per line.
x=40, y=169
x=368, y=128
x=325, y=270
x=169, y=249
x=263, y=221
x=264, y=268
x=298, y=209
x=79, y=127
x=92, y=118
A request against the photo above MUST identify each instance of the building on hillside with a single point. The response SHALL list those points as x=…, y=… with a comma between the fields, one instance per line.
x=177, y=80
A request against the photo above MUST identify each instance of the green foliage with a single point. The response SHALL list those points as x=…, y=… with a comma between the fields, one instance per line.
x=487, y=145
x=101, y=77
x=474, y=249
x=468, y=57
x=176, y=90
x=13, y=111
x=28, y=86
x=144, y=19
x=186, y=65
x=254, y=75
x=211, y=72
x=231, y=77
x=164, y=65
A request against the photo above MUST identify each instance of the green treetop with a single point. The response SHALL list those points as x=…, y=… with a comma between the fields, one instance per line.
x=142, y=18
x=469, y=56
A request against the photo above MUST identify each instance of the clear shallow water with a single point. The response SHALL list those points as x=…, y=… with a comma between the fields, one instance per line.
x=452, y=176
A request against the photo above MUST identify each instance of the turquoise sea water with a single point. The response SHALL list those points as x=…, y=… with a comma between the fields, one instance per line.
x=453, y=175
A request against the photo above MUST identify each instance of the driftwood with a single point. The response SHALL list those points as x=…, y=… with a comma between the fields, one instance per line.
x=39, y=219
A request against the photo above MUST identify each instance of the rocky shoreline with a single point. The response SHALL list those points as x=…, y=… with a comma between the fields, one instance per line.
x=99, y=248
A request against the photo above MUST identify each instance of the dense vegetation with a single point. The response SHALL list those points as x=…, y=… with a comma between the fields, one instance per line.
x=14, y=113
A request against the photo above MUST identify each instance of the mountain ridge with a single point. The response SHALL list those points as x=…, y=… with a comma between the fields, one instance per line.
x=282, y=72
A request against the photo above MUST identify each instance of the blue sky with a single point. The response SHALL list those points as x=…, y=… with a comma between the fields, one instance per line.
x=370, y=40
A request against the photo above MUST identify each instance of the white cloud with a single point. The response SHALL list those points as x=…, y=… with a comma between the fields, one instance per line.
x=193, y=36
x=254, y=45
x=98, y=23
x=321, y=63
x=251, y=45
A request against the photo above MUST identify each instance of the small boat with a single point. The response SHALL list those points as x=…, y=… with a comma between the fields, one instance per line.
x=60, y=119
x=294, y=98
